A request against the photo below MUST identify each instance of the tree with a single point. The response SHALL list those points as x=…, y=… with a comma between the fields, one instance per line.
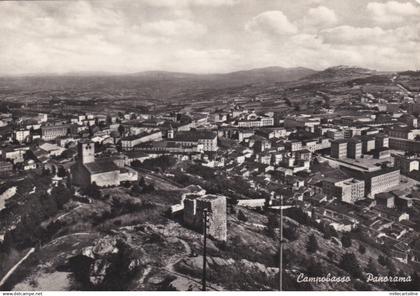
x=331, y=255
x=136, y=163
x=149, y=188
x=362, y=249
x=241, y=216
x=371, y=267
x=142, y=182
x=314, y=268
x=382, y=260
x=136, y=189
x=272, y=224
x=61, y=172
x=290, y=233
x=92, y=190
x=61, y=194
x=121, y=129
x=350, y=264
x=312, y=244
x=327, y=231
x=346, y=241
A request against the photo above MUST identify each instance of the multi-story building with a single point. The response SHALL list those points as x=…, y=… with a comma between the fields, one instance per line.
x=14, y=154
x=352, y=132
x=406, y=163
x=403, y=133
x=253, y=120
x=129, y=142
x=348, y=190
x=5, y=167
x=381, y=141
x=335, y=134
x=245, y=133
x=339, y=149
x=51, y=132
x=368, y=143
x=21, y=135
x=385, y=199
x=207, y=139
x=381, y=181
x=354, y=148
x=293, y=145
x=404, y=145
x=413, y=108
x=304, y=122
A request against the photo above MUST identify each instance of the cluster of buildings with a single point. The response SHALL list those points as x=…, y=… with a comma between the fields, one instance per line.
x=348, y=171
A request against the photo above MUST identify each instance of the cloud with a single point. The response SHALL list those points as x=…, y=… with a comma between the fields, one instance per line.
x=392, y=12
x=185, y=3
x=353, y=35
x=172, y=28
x=320, y=17
x=206, y=35
x=272, y=23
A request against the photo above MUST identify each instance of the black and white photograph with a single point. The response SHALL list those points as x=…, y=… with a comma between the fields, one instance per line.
x=209, y=145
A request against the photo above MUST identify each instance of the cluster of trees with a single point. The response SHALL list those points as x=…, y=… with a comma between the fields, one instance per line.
x=160, y=164
x=35, y=210
x=216, y=183
x=142, y=187
x=93, y=191
x=350, y=264
x=385, y=261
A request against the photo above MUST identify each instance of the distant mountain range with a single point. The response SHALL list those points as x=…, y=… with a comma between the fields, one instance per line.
x=155, y=79
x=175, y=82
x=341, y=72
x=258, y=75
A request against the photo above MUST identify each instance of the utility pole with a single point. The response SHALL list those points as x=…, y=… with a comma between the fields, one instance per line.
x=205, y=216
x=281, y=246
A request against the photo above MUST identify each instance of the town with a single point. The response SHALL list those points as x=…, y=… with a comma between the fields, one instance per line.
x=341, y=181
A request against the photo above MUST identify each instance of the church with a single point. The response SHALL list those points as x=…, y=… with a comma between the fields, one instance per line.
x=104, y=172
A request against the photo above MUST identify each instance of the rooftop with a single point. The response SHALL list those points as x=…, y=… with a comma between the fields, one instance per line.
x=101, y=167
x=194, y=136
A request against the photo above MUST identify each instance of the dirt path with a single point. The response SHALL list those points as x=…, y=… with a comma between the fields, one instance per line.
x=177, y=258
x=146, y=272
x=170, y=267
x=13, y=269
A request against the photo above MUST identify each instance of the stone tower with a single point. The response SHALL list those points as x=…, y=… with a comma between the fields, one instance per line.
x=86, y=152
x=215, y=205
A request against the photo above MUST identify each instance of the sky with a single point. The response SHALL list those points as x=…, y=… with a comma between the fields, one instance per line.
x=207, y=36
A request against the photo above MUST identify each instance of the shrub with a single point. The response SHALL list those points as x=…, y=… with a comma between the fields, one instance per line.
x=350, y=264
x=346, y=241
x=241, y=216
x=362, y=249
x=312, y=244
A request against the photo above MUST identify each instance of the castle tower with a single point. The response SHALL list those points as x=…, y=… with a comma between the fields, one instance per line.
x=86, y=152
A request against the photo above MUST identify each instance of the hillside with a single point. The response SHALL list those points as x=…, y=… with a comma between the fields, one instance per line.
x=339, y=73
x=152, y=79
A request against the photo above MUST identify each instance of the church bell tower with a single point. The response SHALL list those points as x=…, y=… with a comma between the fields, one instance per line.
x=86, y=152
